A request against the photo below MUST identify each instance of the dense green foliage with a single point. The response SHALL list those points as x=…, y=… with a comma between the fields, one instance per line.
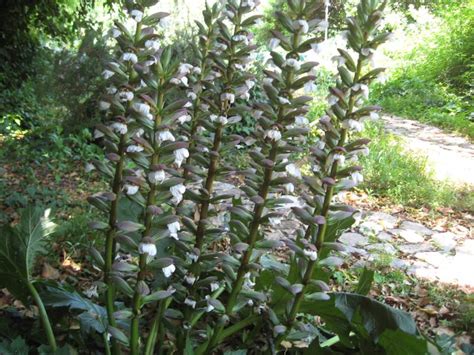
x=435, y=81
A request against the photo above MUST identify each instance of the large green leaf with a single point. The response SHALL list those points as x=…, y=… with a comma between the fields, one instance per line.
x=91, y=315
x=19, y=247
x=345, y=313
x=397, y=342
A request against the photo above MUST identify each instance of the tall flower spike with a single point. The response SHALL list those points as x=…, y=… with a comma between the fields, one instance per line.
x=329, y=154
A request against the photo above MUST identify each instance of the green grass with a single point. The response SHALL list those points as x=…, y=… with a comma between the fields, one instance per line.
x=390, y=171
x=427, y=102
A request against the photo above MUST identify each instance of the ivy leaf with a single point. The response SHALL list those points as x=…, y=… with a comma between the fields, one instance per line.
x=19, y=247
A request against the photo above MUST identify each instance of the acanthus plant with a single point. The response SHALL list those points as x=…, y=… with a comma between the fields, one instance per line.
x=188, y=269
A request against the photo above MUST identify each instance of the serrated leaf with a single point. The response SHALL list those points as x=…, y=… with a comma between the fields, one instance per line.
x=19, y=247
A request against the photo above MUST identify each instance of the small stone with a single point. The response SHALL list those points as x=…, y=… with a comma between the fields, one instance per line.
x=370, y=228
x=445, y=241
x=466, y=248
x=433, y=257
x=387, y=221
x=353, y=239
x=410, y=236
x=384, y=236
x=383, y=247
x=416, y=227
x=415, y=248
x=399, y=264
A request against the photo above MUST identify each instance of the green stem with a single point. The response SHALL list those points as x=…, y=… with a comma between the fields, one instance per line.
x=110, y=241
x=155, y=328
x=135, y=322
x=44, y=317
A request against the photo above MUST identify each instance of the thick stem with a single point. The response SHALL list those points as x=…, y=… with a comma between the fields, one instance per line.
x=44, y=317
x=211, y=174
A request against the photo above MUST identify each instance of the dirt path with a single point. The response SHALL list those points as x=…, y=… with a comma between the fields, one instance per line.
x=450, y=156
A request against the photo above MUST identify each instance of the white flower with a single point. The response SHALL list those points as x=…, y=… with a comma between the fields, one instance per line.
x=125, y=96
x=168, y=270
x=175, y=81
x=115, y=32
x=332, y=100
x=204, y=107
x=357, y=177
x=142, y=108
x=248, y=283
x=131, y=189
x=228, y=97
x=111, y=90
x=248, y=3
x=130, y=57
x=365, y=91
x=190, y=302
x=177, y=192
x=273, y=43
x=185, y=69
x=157, y=176
x=290, y=188
x=339, y=158
x=184, y=118
x=352, y=125
x=147, y=248
x=310, y=87
x=104, y=105
x=316, y=169
x=190, y=279
x=98, y=134
x=134, y=149
x=193, y=257
x=322, y=26
x=340, y=60
x=165, y=22
x=214, y=286
x=317, y=47
x=228, y=13
x=107, y=74
x=293, y=63
x=197, y=70
x=367, y=51
x=364, y=151
x=249, y=83
x=137, y=15
x=374, y=115
x=89, y=167
x=209, y=307
x=91, y=292
x=191, y=95
x=312, y=254
x=165, y=135
x=174, y=228
x=222, y=120
x=273, y=134
x=180, y=155
x=283, y=101
x=293, y=170
x=274, y=221
x=241, y=38
x=321, y=145
x=301, y=25
x=301, y=121
x=152, y=44
x=220, y=46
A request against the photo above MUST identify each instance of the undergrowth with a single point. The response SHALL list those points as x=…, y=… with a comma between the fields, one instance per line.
x=404, y=177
